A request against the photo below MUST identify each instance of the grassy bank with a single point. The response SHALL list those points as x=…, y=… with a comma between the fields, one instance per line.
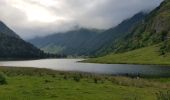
x=147, y=55
x=43, y=84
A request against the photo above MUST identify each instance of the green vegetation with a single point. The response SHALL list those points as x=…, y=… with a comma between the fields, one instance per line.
x=147, y=55
x=52, y=49
x=43, y=84
x=153, y=30
x=16, y=48
x=12, y=47
x=163, y=95
x=2, y=79
x=165, y=47
x=148, y=43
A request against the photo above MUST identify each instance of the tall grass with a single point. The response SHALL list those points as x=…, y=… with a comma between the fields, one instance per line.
x=163, y=95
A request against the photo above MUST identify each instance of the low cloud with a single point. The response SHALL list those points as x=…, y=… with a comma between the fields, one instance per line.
x=30, y=18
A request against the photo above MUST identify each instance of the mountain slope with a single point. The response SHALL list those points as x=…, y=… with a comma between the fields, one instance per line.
x=13, y=47
x=85, y=41
x=70, y=43
x=114, y=34
x=153, y=30
x=147, y=55
x=5, y=29
x=149, y=42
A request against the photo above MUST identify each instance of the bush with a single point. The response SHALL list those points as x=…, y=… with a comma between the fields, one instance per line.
x=2, y=79
x=165, y=47
x=76, y=78
x=164, y=35
x=65, y=77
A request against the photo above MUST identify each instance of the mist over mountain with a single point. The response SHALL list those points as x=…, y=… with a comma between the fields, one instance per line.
x=85, y=41
x=31, y=18
x=94, y=39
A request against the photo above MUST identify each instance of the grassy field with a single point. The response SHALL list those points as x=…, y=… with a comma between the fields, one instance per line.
x=147, y=55
x=43, y=84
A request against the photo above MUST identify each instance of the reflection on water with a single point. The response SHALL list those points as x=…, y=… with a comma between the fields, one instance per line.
x=74, y=65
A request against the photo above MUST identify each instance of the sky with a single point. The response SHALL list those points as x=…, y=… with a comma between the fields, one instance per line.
x=32, y=18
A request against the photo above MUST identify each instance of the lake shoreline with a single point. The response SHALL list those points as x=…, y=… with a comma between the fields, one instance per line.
x=132, y=75
x=86, y=60
x=47, y=70
x=125, y=63
x=74, y=65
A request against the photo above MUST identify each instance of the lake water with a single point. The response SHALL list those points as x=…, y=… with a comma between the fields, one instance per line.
x=74, y=65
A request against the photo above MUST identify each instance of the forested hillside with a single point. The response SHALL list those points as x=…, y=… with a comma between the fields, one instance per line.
x=13, y=47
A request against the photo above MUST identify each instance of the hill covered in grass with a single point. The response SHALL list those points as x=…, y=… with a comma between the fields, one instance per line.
x=147, y=55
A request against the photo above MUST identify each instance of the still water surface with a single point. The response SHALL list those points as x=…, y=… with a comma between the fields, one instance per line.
x=74, y=65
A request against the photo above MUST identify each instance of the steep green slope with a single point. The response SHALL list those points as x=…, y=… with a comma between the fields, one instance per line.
x=147, y=55
x=153, y=30
x=85, y=41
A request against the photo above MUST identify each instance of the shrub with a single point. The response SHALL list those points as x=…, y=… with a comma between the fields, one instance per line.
x=165, y=47
x=2, y=79
x=76, y=78
x=47, y=81
x=95, y=80
x=65, y=77
x=164, y=35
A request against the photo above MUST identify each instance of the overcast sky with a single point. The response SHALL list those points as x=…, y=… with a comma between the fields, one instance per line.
x=30, y=18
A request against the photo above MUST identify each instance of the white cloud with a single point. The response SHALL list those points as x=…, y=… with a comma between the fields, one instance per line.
x=31, y=18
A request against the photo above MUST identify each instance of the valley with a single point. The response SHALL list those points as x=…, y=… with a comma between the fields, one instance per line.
x=85, y=50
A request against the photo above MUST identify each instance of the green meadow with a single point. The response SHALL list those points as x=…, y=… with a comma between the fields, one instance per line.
x=147, y=55
x=44, y=84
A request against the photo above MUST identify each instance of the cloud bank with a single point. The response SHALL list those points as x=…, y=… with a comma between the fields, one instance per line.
x=30, y=18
